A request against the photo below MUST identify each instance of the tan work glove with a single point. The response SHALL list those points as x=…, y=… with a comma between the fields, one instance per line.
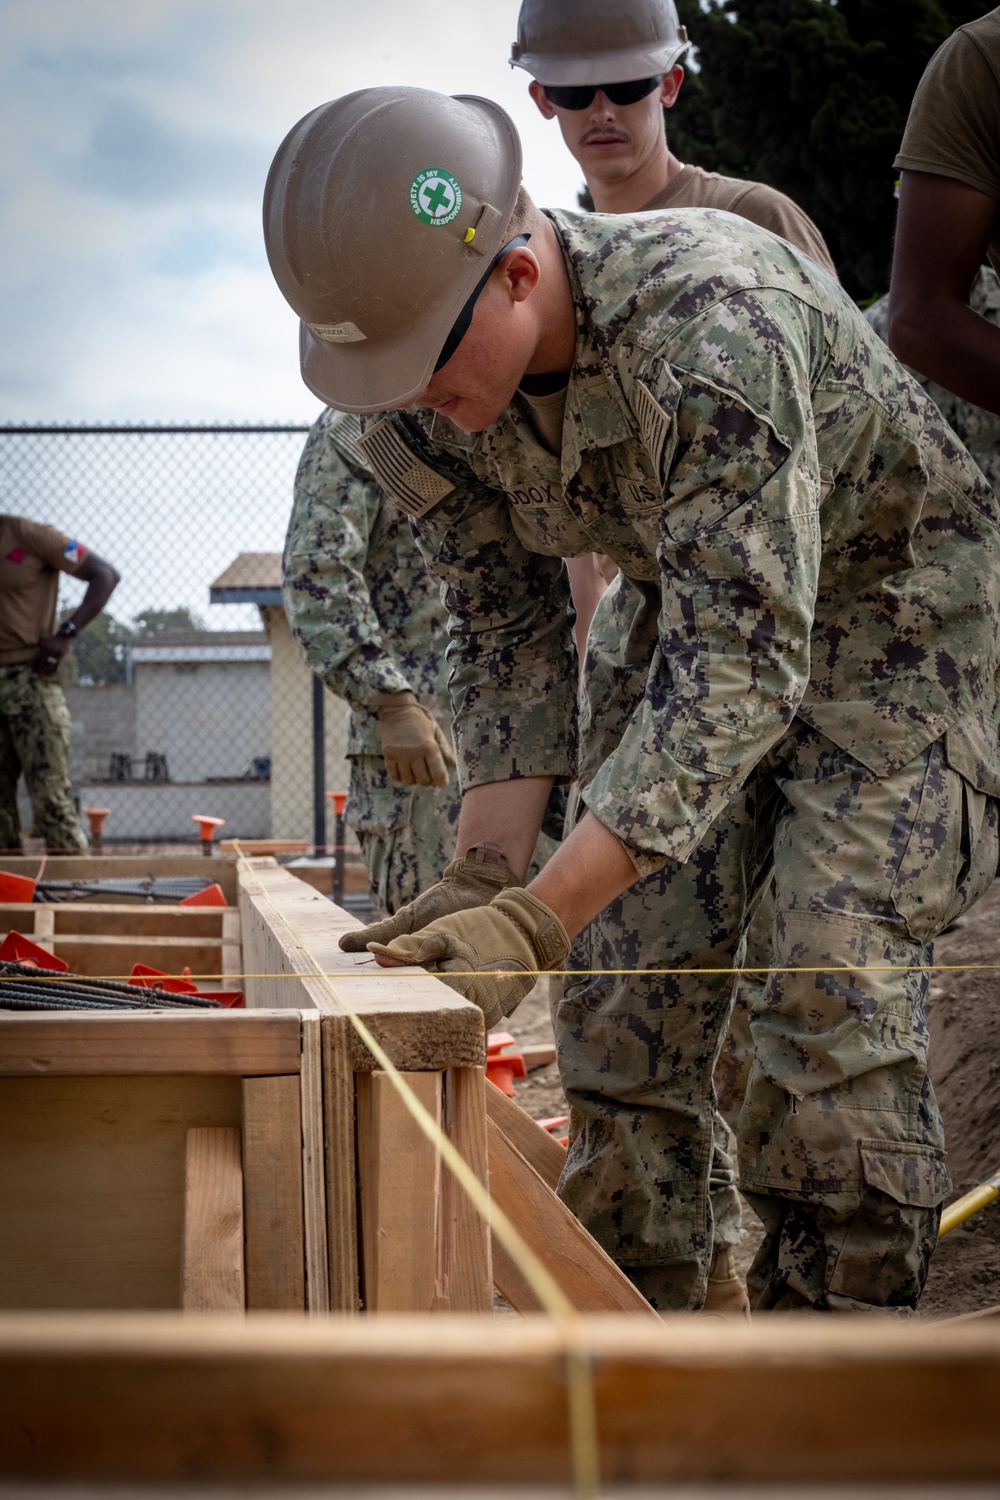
x=415, y=750
x=466, y=882
x=494, y=952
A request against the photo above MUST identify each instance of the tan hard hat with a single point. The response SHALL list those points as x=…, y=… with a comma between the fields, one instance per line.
x=597, y=41
x=381, y=212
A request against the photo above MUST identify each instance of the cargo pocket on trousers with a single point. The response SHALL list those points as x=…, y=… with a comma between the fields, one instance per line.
x=914, y=1175
x=890, y=1237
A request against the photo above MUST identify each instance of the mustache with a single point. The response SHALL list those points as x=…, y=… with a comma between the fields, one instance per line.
x=606, y=133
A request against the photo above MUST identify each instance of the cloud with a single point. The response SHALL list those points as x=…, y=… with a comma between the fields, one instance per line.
x=134, y=143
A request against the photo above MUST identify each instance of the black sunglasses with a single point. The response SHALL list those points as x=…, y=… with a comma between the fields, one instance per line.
x=460, y=327
x=579, y=96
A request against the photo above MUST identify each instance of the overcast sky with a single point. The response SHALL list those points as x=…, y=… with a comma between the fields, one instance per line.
x=135, y=143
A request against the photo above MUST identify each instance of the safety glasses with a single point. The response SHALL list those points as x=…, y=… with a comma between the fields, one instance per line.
x=460, y=327
x=579, y=96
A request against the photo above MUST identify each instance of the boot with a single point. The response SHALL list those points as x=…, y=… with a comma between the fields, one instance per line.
x=726, y=1295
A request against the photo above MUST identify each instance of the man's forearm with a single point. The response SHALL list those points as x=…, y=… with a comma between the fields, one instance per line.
x=101, y=580
x=587, y=872
x=506, y=813
x=953, y=345
x=943, y=230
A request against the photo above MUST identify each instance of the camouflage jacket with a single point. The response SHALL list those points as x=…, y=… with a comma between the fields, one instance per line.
x=978, y=429
x=798, y=531
x=361, y=602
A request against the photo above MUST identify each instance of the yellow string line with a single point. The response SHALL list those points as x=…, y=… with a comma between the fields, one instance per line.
x=580, y=1387
x=412, y=970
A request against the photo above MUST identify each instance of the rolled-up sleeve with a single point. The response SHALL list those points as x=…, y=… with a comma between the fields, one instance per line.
x=737, y=540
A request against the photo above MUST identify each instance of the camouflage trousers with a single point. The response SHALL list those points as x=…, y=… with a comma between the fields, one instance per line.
x=407, y=833
x=34, y=739
x=840, y=1140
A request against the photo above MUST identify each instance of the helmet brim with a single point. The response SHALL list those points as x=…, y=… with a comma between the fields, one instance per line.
x=370, y=378
x=609, y=67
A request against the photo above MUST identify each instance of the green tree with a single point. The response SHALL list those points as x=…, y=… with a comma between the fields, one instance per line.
x=99, y=654
x=166, y=621
x=812, y=96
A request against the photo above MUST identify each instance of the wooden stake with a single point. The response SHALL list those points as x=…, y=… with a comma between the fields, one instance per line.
x=398, y=1189
x=464, y=1265
x=273, y=1205
x=212, y=1277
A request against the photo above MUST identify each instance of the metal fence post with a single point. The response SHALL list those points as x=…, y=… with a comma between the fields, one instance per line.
x=319, y=769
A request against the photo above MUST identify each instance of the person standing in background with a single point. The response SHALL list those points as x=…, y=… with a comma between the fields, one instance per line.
x=34, y=719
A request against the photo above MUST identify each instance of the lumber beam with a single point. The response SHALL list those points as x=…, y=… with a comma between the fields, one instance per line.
x=292, y=931
x=448, y=1400
x=220, y=1041
x=588, y=1276
x=464, y=1261
x=220, y=868
x=539, y=1148
x=212, y=1278
x=272, y=1186
x=399, y=1183
x=314, y=1226
x=339, y=1156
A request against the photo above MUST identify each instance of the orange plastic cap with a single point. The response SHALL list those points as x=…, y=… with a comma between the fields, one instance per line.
x=212, y=895
x=16, y=889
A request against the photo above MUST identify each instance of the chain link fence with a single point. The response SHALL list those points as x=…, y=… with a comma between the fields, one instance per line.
x=188, y=694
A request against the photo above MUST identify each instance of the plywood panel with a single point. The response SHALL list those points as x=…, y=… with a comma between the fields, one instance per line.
x=92, y=1186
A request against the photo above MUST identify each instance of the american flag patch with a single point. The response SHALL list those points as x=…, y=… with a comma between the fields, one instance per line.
x=75, y=553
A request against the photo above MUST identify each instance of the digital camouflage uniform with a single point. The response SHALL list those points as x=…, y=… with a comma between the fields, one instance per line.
x=795, y=671
x=978, y=429
x=34, y=738
x=367, y=614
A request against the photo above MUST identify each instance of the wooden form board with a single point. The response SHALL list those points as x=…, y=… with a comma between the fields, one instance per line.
x=212, y=1269
x=586, y=1275
x=95, y=1113
x=415, y=1400
x=290, y=930
x=435, y=1036
x=102, y=939
x=219, y=867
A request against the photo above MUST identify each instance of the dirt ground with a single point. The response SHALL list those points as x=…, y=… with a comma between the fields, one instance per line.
x=965, y=1067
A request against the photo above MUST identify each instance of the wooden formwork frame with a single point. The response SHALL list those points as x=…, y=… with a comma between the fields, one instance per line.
x=402, y=1233
x=164, y=1158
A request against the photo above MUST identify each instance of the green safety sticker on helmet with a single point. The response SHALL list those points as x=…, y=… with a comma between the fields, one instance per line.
x=435, y=197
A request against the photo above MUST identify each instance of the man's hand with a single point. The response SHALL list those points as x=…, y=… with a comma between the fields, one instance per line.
x=491, y=954
x=465, y=883
x=49, y=654
x=416, y=751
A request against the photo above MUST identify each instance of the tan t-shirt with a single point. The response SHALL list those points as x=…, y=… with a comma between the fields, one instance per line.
x=31, y=558
x=953, y=129
x=693, y=187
